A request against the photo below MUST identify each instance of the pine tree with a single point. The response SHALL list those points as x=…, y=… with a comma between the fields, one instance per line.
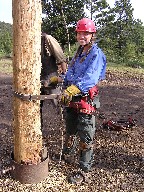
x=99, y=11
x=138, y=40
x=122, y=25
x=53, y=22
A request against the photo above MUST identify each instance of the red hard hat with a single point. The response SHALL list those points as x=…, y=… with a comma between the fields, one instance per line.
x=86, y=24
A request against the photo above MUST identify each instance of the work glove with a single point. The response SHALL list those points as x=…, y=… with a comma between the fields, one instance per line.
x=52, y=81
x=55, y=80
x=68, y=94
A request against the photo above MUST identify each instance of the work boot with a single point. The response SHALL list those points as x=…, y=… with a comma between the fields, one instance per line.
x=79, y=177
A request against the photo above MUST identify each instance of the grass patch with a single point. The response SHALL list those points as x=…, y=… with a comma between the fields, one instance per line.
x=6, y=66
x=123, y=68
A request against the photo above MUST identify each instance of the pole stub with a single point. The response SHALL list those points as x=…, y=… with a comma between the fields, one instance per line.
x=31, y=173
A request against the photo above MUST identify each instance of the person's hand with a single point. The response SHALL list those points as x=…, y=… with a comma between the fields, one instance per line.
x=45, y=83
x=68, y=94
x=53, y=80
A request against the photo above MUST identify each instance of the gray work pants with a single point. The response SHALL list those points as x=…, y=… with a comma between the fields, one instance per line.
x=82, y=125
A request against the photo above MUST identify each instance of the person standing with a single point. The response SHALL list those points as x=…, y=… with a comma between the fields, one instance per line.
x=86, y=69
x=52, y=59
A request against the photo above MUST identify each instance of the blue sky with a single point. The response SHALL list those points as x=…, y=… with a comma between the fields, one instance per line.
x=6, y=9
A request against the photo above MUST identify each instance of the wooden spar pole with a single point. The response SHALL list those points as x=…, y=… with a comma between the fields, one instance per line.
x=26, y=80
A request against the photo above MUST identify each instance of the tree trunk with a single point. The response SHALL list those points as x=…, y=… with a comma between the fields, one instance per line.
x=26, y=80
x=66, y=27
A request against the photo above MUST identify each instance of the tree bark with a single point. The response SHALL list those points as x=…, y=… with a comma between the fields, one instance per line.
x=26, y=80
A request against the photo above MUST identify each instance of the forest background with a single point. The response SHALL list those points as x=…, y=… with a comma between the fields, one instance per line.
x=119, y=35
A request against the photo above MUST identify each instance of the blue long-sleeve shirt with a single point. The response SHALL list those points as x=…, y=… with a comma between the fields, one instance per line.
x=88, y=73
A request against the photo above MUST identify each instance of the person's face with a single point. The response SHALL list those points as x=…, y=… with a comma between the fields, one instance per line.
x=83, y=37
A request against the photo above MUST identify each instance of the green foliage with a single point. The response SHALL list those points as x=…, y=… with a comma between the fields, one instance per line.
x=119, y=35
x=122, y=37
x=6, y=42
x=138, y=39
x=100, y=12
x=72, y=50
x=54, y=23
x=5, y=38
x=123, y=25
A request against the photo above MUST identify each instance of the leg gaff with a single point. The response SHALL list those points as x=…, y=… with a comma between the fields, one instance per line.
x=69, y=149
x=86, y=156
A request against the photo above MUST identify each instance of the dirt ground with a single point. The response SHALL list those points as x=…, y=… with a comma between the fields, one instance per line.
x=119, y=155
